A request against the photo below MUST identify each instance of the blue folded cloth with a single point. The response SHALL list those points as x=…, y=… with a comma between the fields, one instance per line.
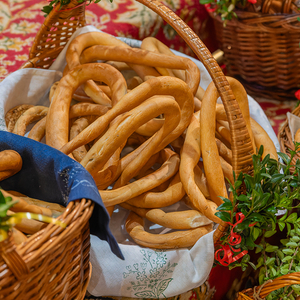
x=49, y=175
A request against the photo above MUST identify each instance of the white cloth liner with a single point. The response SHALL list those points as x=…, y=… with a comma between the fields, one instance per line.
x=144, y=273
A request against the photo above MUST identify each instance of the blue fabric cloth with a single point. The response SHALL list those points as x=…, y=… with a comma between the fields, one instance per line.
x=49, y=175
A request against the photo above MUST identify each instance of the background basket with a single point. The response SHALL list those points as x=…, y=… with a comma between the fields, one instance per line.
x=50, y=40
x=261, y=49
x=285, y=137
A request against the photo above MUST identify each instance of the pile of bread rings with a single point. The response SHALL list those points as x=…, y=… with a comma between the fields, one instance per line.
x=149, y=139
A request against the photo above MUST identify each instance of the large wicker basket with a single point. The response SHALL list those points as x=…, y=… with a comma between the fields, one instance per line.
x=50, y=40
x=262, y=50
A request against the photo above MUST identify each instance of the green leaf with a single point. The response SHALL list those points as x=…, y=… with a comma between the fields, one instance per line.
x=277, y=178
x=47, y=9
x=256, y=233
x=291, y=218
x=270, y=261
x=292, y=245
x=256, y=217
x=269, y=233
x=284, y=157
x=271, y=248
x=274, y=272
x=266, y=175
x=225, y=206
x=288, y=251
x=295, y=238
x=284, y=269
x=252, y=265
x=224, y=216
x=261, y=276
x=280, y=254
x=2, y=199
x=284, y=241
x=287, y=258
x=205, y=1
x=296, y=288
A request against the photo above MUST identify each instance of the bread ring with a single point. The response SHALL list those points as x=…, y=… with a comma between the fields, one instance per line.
x=76, y=128
x=223, y=131
x=156, y=86
x=144, y=57
x=87, y=109
x=57, y=124
x=38, y=131
x=135, y=188
x=209, y=149
x=174, y=193
x=262, y=138
x=52, y=90
x=30, y=115
x=94, y=38
x=186, y=219
x=179, y=239
x=190, y=156
x=119, y=65
x=10, y=163
x=126, y=125
x=13, y=115
x=224, y=151
x=22, y=206
x=201, y=181
x=154, y=45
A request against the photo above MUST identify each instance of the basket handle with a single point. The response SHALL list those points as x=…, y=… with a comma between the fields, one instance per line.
x=240, y=138
x=13, y=260
x=54, y=33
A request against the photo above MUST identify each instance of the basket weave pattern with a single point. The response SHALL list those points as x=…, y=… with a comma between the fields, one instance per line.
x=262, y=50
x=285, y=137
x=53, y=263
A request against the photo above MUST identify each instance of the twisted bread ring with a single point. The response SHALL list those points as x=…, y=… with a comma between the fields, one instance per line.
x=58, y=116
x=178, y=239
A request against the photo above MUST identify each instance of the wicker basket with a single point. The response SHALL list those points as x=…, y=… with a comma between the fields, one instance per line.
x=51, y=264
x=50, y=40
x=262, y=291
x=262, y=50
x=285, y=137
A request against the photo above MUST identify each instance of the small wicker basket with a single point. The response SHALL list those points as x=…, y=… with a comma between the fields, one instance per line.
x=262, y=49
x=51, y=264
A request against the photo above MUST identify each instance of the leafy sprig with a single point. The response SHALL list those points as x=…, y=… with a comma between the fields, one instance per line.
x=268, y=202
x=226, y=8
x=48, y=8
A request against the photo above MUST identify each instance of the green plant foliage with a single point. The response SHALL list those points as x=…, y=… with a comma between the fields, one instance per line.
x=48, y=8
x=269, y=204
